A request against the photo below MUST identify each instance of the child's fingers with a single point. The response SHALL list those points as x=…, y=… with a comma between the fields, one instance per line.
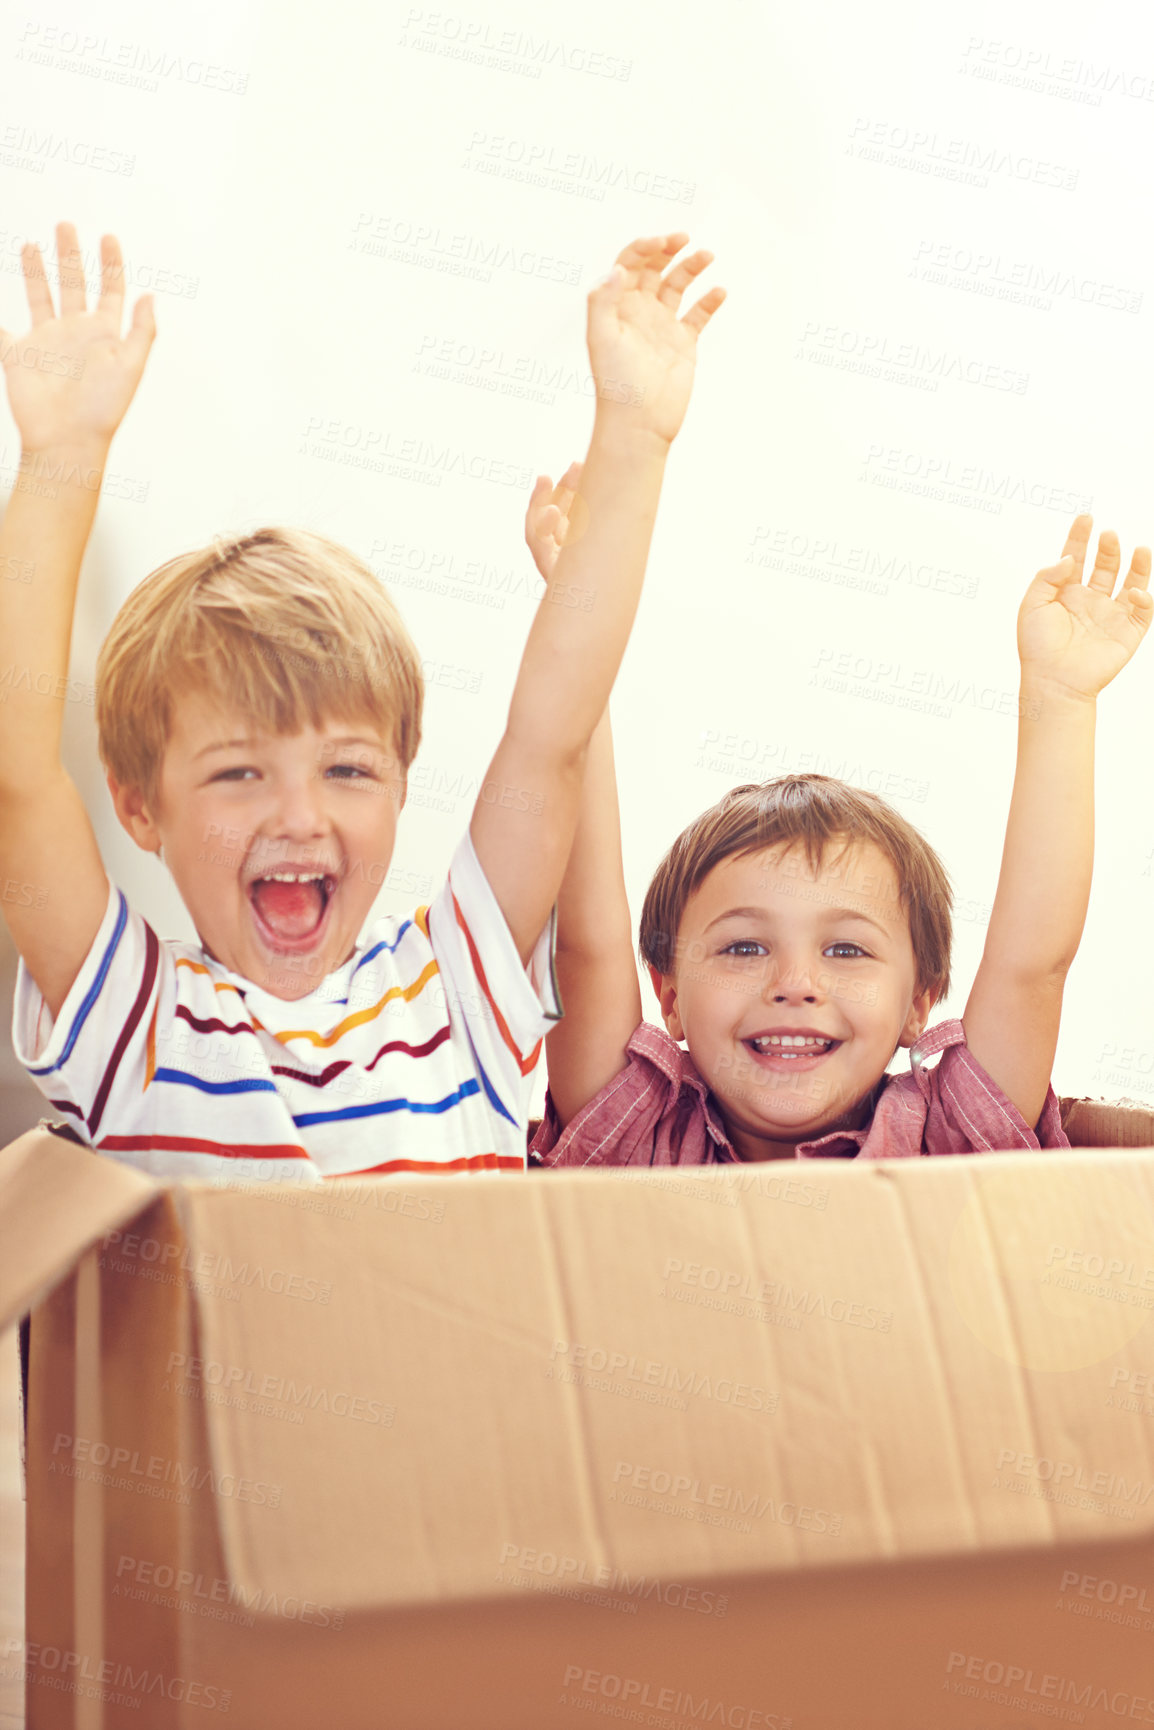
x=1078, y=540
x=1056, y=577
x=36, y=285
x=1107, y=563
x=71, y=268
x=649, y=256
x=111, y=278
x=699, y=316
x=142, y=331
x=674, y=285
x=572, y=476
x=1138, y=576
x=542, y=490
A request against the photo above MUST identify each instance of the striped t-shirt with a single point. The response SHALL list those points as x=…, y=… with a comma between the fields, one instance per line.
x=416, y=1055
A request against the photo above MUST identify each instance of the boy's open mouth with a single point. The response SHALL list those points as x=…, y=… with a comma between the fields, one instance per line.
x=290, y=906
x=790, y=1050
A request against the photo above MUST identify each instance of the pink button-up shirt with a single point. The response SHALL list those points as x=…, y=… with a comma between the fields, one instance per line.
x=658, y=1111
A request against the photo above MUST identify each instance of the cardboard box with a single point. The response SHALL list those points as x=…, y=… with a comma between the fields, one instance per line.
x=826, y=1447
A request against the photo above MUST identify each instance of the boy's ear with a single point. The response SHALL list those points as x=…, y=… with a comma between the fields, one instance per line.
x=915, y=1023
x=665, y=987
x=134, y=815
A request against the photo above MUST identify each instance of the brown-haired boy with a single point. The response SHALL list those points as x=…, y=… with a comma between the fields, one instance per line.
x=259, y=704
x=798, y=935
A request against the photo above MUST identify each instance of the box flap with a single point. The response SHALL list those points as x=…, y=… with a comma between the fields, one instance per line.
x=726, y=1371
x=1103, y=1123
x=56, y=1199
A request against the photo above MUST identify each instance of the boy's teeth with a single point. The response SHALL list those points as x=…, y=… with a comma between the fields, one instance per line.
x=792, y=1041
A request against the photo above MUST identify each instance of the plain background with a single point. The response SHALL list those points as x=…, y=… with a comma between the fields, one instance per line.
x=371, y=231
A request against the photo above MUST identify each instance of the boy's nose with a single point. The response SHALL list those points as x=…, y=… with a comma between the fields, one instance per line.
x=797, y=983
x=299, y=813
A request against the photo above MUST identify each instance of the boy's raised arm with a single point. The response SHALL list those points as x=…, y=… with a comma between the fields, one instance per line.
x=642, y=356
x=1072, y=640
x=596, y=973
x=69, y=381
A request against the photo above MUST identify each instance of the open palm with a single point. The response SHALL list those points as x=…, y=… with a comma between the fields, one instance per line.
x=1080, y=635
x=71, y=378
x=641, y=352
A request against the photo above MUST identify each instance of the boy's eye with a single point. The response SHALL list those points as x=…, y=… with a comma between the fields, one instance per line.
x=346, y=771
x=234, y=774
x=742, y=946
x=844, y=951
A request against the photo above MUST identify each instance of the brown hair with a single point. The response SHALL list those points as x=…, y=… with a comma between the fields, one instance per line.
x=285, y=625
x=813, y=811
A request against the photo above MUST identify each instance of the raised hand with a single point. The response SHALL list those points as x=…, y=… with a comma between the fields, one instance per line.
x=549, y=517
x=641, y=352
x=1077, y=636
x=71, y=378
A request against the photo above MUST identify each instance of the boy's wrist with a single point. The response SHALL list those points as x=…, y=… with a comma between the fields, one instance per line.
x=75, y=467
x=622, y=437
x=89, y=450
x=1042, y=696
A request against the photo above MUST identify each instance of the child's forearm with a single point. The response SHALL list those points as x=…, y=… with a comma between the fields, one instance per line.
x=42, y=540
x=581, y=629
x=1047, y=861
x=596, y=973
x=592, y=906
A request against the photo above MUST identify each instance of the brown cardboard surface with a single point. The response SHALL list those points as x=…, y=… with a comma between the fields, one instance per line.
x=1101, y=1123
x=836, y=1445
x=55, y=1200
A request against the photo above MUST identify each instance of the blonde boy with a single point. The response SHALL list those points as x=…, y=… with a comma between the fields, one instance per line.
x=259, y=704
x=798, y=935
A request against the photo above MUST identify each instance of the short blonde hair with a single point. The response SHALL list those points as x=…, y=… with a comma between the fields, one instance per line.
x=284, y=625
x=815, y=812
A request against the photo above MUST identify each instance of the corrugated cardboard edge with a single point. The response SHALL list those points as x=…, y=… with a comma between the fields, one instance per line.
x=56, y=1200
x=1107, y=1123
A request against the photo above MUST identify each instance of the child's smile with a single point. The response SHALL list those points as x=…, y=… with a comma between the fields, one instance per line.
x=792, y=991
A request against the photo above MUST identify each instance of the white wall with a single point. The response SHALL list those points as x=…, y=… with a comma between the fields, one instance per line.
x=936, y=349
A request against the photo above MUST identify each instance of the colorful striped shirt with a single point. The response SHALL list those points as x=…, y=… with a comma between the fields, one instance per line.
x=416, y=1055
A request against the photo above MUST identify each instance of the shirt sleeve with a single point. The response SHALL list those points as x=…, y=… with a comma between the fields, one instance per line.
x=963, y=1109
x=643, y=1116
x=504, y=1006
x=97, y=1043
